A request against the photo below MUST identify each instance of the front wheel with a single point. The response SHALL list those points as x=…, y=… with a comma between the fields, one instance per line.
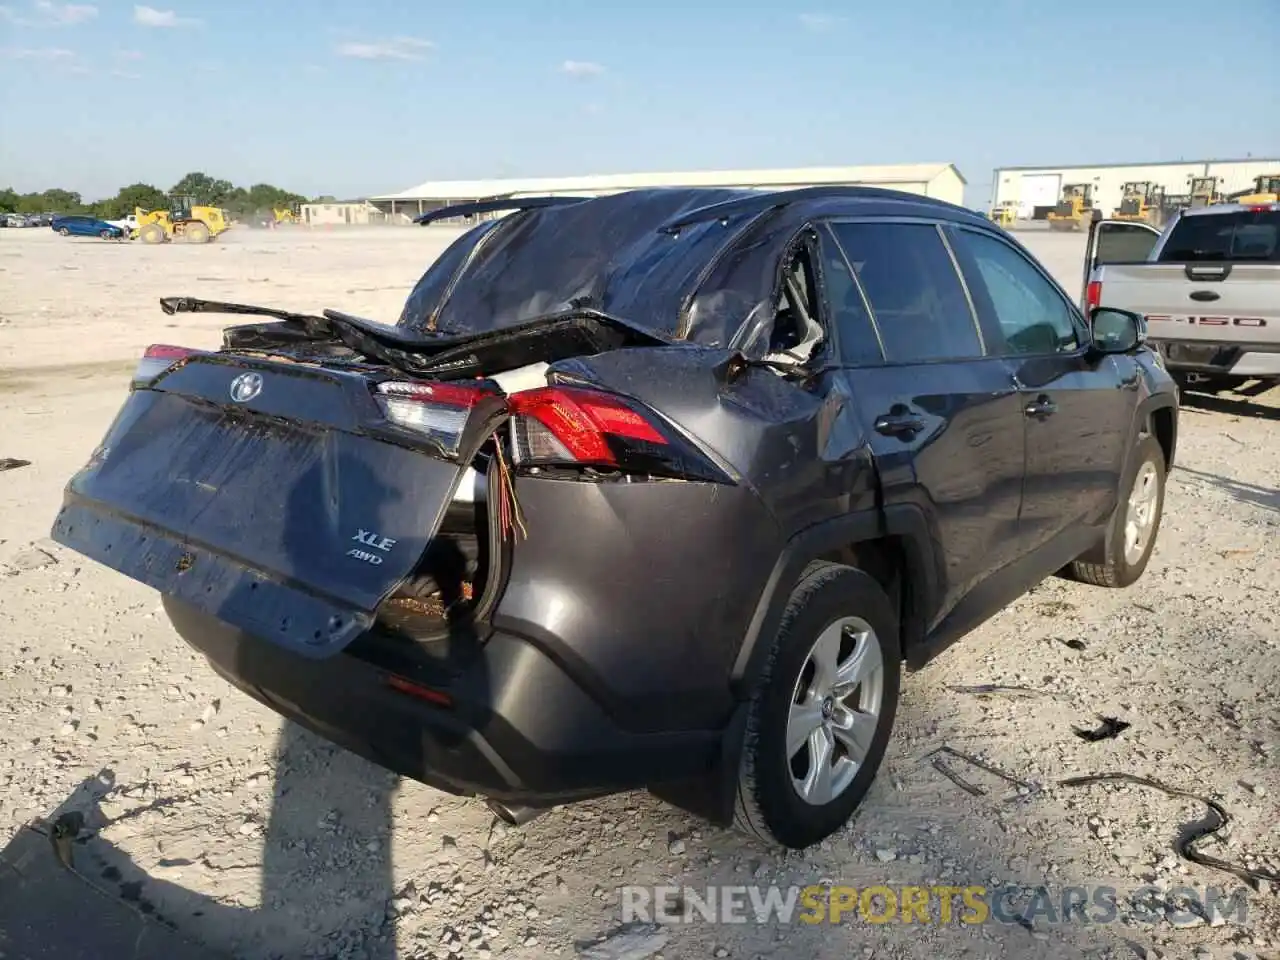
x=1131, y=535
x=822, y=711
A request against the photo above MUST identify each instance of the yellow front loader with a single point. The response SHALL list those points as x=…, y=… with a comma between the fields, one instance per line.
x=184, y=221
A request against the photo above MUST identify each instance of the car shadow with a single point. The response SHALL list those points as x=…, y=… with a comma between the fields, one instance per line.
x=1233, y=404
x=330, y=812
x=1265, y=497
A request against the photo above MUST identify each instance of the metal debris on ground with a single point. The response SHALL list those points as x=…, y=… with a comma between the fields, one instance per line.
x=1025, y=787
x=989, y=689
x=1186, y=842
x=637, y=943
x=1074, y=644
x=9, y=463
x=1109, y=729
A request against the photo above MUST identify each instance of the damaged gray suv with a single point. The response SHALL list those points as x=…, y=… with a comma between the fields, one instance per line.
x=658, y=490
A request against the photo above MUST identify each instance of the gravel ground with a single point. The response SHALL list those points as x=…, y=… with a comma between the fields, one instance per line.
x=263, y=841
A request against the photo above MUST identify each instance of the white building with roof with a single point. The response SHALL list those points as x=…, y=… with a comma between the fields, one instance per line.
x=1035, y=190
x=941, y=180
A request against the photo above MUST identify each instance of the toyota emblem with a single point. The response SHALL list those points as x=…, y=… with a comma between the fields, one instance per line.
x=245, y=387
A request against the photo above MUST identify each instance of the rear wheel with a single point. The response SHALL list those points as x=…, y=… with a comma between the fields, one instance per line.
x=64, y=232
x=152, y=233
x=1134, y=526
x=196, y=232
x=822, y=711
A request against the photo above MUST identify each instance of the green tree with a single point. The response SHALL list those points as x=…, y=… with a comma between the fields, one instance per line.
x=135, y=195
x=206, y=190
x=9, y=199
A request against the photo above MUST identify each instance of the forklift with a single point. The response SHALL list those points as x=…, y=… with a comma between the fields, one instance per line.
x=1075, y=210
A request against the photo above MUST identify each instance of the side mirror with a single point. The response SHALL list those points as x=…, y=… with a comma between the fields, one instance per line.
x=1116, y=331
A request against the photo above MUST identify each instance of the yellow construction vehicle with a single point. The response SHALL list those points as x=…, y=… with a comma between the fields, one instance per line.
x=1143, y=201
x=184, y=221
x=290, y=215
x=1006, y=214
x=1075, y=210
x=1266, y=189
x=1204, y=192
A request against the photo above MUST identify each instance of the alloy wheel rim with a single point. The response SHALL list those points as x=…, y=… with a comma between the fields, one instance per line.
x=835, y=710
x=1140, y=513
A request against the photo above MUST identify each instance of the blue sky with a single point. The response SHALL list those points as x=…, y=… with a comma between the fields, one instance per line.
x=347, y=98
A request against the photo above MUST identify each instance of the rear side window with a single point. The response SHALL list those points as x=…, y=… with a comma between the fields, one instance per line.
x=855, y=331
x=915, y=294
x=1245, y=235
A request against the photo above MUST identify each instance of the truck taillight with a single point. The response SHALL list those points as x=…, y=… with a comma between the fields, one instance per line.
x=157, y=359
x=578, y=427
x=1093, y=295
x=437, y=411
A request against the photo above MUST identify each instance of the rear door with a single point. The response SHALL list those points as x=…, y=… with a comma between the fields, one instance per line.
x=1077, y=408
x=941, y=416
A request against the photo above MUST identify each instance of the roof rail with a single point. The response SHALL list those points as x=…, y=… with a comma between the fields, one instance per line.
x=489, y=206
x=782, y=198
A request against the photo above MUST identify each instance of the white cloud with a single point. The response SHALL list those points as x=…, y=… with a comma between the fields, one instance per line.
x=819, y=22
x=151, y=17
x=45, y=13
x=126, y=75
x=581, y=68
x=67, y=14
x=397, y=48
x=36, y=53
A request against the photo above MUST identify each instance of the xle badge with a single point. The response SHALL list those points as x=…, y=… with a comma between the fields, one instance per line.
x=370, y=539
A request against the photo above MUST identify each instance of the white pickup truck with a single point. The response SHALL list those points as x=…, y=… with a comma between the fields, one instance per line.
x=1208, y=285
x=128, y=224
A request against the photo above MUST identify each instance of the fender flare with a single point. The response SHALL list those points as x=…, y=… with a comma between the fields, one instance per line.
x=906, y=521
x=1149, y=405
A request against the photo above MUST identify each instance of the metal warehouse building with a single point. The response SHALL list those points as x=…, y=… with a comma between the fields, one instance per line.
x=1035, y=190
x=940, y=180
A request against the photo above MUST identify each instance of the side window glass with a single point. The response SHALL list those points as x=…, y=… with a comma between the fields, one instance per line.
x=855, y=331
x=916, y=296
x=1034, y=318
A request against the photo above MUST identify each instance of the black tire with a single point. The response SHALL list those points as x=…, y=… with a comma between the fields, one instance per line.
x=64, y=232
x=768, y=805
x=1108, y=567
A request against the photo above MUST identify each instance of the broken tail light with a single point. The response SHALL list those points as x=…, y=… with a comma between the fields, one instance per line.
x=157, y=359
x=577, y=427
x=437, y=411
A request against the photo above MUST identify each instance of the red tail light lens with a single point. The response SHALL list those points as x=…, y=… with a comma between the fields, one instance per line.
x=157, y=359
x=437, y=411
x=572, y=426
x=1093, y=295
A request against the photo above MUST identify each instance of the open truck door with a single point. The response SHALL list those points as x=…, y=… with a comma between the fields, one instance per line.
x=1114, y=241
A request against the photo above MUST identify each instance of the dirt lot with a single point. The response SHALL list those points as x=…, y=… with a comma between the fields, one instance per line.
x=261, y=841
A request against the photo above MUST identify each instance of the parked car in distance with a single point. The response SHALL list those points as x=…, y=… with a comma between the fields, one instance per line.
x=82, y=226
x=16, y=220
x=656, y=490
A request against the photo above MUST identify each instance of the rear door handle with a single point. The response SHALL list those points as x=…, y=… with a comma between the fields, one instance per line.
x=1205, y=296
x=899, y=424
x=1041, y=407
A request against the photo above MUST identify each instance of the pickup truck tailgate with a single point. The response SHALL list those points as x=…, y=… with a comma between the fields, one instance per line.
x=1239, y=303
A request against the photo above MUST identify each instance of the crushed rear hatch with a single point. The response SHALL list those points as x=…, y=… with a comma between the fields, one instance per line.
x=286, y=499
